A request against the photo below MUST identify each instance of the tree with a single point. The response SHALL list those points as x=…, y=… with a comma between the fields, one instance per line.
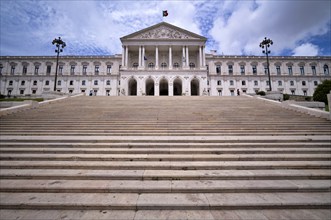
x=321, y=91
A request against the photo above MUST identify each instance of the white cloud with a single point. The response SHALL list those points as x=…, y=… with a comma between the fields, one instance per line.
x=306, y=49
x=285, y=22
x=94, y=27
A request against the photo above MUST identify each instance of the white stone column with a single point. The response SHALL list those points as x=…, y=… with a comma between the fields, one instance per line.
x=143, y=57
x=123, y=55
x=170, y=58
x=200, y=56
x=187, y=57
x=183, y=58
x=203, y=56
x=140, y=63
x=126, y=56
x=156, y=57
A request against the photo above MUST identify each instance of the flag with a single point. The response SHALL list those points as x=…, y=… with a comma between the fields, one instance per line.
x=165, y=13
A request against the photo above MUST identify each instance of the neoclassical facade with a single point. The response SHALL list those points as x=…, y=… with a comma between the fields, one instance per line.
x=162, y=60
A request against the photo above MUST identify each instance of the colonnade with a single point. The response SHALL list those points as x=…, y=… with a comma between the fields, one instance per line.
x=142, y=57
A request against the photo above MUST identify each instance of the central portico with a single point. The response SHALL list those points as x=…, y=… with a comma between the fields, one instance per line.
x=163, y=60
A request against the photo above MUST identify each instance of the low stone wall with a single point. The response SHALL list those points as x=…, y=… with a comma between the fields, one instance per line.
x=294, y=107
x=313, y=105
x=28, y=104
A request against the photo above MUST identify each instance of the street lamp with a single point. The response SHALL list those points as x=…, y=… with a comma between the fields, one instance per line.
x=264, y=45
x=58, y=43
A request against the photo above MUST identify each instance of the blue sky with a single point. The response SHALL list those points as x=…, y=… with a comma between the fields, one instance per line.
x=297, y=27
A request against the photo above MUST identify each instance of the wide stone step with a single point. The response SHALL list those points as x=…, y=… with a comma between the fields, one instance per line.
x=167, y=139
x=165, y=201
x=161, y=150
x=264, y=214
x=169, y=157
x=164, y=186
x=168, y=147
x=166, y=165
x=86, y=174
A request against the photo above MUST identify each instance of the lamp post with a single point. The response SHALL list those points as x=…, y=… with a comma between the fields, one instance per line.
x=58, y=43
x=264, y=45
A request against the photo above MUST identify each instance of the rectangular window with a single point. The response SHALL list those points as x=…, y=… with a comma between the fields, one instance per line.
x=1, y=69
x=265, y=70
x=280, y=83
x=292, y=83
x=305, y=92
x=315, y=83
x=95, y=82
x=46, y=83
x=48, y=70
x=218, y=68
x=108, y=83
x=21, y=92
x=304, y=83
x=71, y=82
x=22, y=83
x=59, y=82
x=34, y=91
x=84, y=69
x=96, y=69
x=293, y=92
x=25, y=70
x=254, y=70
x=219, y=82
x=231, y=83
x=36, y=69
x=35, y=82
x=242, y=70
x=243, y=83
x=313, y=70
x=109, y=69
x=60, y=69
x=230, y=69
x=12, y=70
x=268, y=82
x=302, y=70
x=83, y=83
x=10, y=83
x=256, y=83
x=290, y=70
x=72, y=70
x=278, y=70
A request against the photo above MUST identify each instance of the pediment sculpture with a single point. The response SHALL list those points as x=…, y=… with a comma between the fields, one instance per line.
x=163, y=33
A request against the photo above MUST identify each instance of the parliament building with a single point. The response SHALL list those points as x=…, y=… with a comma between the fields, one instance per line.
x=162, y=60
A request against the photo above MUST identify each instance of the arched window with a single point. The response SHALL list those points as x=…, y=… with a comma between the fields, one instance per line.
x=135, y=65
x=176, y=65
x=108, y=82
x=192, y=65
x=163, y=65
x=151, y=65
x=326, y=69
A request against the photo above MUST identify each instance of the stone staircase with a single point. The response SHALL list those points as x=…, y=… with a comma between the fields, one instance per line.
x=164, y=158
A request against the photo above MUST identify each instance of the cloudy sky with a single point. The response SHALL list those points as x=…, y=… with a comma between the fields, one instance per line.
x=297, y=27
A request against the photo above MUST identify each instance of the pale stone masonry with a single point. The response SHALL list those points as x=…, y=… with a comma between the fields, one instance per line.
x=162, y=60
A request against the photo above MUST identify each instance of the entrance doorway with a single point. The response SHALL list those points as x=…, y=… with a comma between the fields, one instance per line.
x=195, y=87
x=178, y=87
x=150, y=87
x=164, y=87
x=132, y=90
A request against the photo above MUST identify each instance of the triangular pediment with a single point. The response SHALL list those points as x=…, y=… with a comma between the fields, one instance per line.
x=162, y=31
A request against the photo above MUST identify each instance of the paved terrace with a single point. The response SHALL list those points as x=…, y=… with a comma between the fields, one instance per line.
x=164, y=158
